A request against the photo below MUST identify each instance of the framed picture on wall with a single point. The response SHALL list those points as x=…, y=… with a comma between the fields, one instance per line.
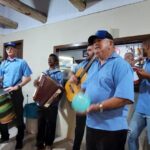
x=85, y=53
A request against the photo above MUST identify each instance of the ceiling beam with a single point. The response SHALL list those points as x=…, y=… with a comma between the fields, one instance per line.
x=25, y=9
x=8, y=23
x=79, y=4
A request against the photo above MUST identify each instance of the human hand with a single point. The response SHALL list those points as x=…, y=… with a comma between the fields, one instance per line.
x=140, y=58
x=141, y=73
x=36, y=83
x=73, y=79
x=93, y=108
x=11, y=88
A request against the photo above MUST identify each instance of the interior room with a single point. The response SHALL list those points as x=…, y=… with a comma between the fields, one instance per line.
x=62, y=27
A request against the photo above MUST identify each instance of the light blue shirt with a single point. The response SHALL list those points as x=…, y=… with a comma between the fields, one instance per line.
x=143, y=103
x=112, y=79
x=12, y=71
x=55, y=74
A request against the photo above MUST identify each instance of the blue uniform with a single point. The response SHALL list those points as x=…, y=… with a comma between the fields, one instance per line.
x=112, y=79
x=12, y=71
x=56, y=75
x=143, y=103
x=141, y=116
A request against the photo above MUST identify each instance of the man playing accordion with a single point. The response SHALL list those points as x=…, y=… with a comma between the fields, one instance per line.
x=47, y=116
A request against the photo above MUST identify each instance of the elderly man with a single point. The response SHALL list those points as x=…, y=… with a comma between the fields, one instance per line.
x=112, y=89
x=15, y=73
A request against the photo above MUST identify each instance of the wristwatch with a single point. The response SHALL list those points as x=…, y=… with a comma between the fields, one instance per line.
x=101, y=107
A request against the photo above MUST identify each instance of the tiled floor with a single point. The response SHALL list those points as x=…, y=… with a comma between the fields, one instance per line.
x=59, y=144
x=29, y=143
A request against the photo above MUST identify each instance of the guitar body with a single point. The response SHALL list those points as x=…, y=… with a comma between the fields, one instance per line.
x=71, y=88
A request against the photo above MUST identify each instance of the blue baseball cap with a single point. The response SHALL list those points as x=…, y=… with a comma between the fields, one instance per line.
x=12, y=44
x=103, y=34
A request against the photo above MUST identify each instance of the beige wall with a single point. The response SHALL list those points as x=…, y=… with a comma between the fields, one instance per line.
x=38, y=43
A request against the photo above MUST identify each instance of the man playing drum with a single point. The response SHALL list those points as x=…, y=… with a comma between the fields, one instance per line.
x=14, y=74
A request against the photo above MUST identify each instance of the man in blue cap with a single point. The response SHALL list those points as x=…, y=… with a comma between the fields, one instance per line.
x=10, y=44
x=112, y=89
x=15, y=73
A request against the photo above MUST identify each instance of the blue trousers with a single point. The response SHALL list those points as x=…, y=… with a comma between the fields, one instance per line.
x=138, y=123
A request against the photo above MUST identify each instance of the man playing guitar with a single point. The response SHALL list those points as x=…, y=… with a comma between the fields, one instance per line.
x=81, y=119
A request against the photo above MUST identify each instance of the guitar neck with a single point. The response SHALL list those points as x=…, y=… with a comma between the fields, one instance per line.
x=86, y=68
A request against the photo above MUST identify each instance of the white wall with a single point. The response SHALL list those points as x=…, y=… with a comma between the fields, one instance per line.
x=1, y=44
x=58, y=10
x=38, y=43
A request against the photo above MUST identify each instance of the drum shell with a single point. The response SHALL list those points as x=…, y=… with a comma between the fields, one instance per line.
x=6, y=109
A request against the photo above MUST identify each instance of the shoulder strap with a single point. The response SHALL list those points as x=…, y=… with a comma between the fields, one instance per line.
x=50, y=73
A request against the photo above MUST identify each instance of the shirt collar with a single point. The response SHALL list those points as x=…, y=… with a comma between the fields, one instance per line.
x=11, y=59
x=113, y=55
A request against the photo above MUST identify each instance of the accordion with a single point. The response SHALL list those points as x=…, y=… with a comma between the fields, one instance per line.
x=47, y=91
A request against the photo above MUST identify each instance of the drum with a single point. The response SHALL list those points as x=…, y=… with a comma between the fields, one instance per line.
x=6, y=108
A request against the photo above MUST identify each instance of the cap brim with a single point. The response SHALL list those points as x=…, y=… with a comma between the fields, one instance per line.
x=11, y=45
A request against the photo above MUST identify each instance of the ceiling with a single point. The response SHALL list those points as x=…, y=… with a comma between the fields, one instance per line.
x=17, y=15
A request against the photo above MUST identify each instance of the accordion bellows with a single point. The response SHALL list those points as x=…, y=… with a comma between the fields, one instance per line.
x=47, y=91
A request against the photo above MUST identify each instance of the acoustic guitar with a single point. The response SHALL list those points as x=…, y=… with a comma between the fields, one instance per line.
x=72, y=88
